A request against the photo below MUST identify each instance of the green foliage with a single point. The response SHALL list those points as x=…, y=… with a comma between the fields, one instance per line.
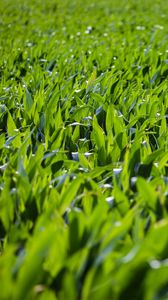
x=83, y=150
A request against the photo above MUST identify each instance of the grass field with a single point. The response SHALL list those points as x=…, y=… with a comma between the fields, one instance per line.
x=83, y=150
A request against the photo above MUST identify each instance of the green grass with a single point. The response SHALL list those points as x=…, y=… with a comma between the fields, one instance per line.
x=83, y=150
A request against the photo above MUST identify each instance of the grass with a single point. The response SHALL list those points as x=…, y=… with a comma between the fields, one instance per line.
x=83, y=150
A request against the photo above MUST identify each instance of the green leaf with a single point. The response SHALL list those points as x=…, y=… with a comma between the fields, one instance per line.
x=98, y=137
x=68, y=195
x=147, y=192
x=29, y=101
x=11, y=125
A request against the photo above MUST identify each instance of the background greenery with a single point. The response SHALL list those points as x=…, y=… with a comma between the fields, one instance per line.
x=83, y=150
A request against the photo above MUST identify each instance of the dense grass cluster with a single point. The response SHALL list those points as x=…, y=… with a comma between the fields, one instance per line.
x=83, y=150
